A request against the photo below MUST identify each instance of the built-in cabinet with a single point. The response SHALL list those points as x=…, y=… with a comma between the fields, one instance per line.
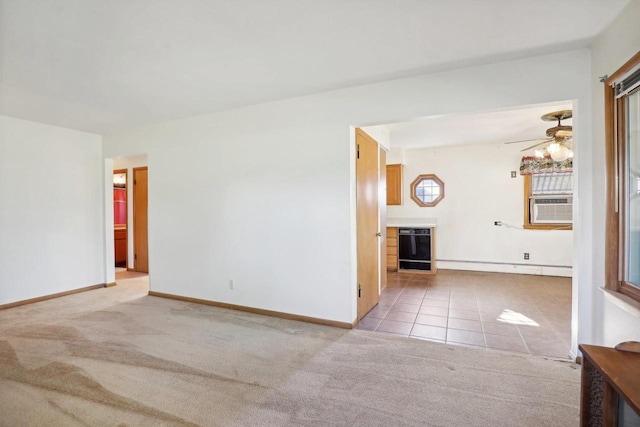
x=392, y=248
x=120, y=243
x=394, y=184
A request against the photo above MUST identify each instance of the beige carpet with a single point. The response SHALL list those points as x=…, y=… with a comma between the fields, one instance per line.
x=117, y=357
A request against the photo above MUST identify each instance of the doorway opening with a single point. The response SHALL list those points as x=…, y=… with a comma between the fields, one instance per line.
x=497, y=284
x=120, y=219
x=130, y=228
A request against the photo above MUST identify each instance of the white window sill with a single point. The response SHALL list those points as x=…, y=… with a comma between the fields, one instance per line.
x=622, y=301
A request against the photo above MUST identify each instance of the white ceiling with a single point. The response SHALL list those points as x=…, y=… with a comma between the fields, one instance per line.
x=104, y=66
x=494, y=127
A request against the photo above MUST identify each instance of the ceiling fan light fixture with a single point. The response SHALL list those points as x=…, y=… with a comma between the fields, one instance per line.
x=559, y=153
x=553, y=147
x=559, y=138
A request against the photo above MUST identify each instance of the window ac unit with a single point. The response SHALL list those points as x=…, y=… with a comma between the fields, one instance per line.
x=551, y=209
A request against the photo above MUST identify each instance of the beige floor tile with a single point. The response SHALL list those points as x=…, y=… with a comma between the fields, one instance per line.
x=377, y=312
x=435, y=311
x=428, y=331
x=401, y=316
x=490, y=316
x=437, y=295
x=368, y=323
x=435, y=302
x=464, y=314
x=392, y=326
x=491, y=308
x=466, y=325
x=498, y=328
x=537, y=310
x=427, y=339
x=465, y=337
x=427, y=319
x=464, y=304
x=379, y=331
x=409, y=308
x=402, y=299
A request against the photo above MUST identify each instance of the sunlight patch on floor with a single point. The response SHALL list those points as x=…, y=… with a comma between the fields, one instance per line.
x=515, y=318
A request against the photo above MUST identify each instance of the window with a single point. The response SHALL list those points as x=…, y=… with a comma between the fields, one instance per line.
x=548, y=201
x=552, y=183
x=427, y=190
x=622, y=115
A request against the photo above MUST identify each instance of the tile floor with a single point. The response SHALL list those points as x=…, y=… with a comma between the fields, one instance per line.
x=512, y=312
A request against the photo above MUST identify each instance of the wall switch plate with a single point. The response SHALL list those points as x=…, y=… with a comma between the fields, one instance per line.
x=230, y=284
x=513, y=174
x=526, y=255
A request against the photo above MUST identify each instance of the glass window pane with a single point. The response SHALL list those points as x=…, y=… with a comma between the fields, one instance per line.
x=632, y=225
x=427, y=190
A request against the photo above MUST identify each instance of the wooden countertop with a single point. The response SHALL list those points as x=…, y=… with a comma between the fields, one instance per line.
x=412, y=222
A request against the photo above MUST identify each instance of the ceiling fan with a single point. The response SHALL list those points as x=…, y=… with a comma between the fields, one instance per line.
x=559, y=138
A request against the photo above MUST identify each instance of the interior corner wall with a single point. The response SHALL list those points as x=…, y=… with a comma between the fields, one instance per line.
x=51, y=217
x=479, y=190
x=607, y=323
x=263, y=195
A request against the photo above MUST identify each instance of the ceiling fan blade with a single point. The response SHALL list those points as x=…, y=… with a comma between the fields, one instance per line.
x=522, y=140
x=539, y=143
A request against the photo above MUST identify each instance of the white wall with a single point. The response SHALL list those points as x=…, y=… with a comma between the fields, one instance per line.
x=395, y=156
x=129, y=163
x=612, y=320
x=51, y=218
x=479, y=190
x=381, y=134
x=266, y=195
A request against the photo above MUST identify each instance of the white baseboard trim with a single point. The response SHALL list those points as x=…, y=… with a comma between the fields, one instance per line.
x=499, y=267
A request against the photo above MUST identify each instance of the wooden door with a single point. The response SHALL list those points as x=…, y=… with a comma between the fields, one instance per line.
x=382, y=192
x=367, y=222
x=140, y=220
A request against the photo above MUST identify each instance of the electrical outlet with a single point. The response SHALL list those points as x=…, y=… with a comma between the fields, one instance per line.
x=526, y=255
x=498, y=223
x=230, y=284
x=513, y=174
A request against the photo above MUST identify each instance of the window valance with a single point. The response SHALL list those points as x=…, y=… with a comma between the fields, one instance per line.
x=534, y=165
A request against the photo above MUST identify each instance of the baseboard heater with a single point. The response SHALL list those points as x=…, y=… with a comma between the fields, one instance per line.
x=504, y=263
